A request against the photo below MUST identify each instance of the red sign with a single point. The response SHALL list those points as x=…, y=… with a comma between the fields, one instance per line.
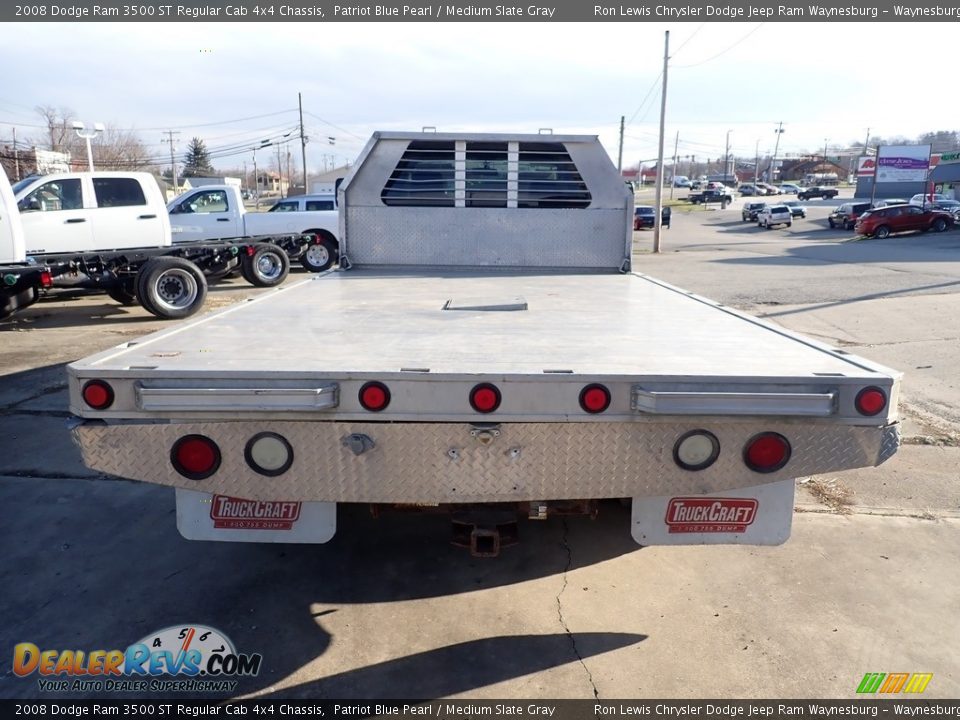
x=240, y=514
x=710, y=515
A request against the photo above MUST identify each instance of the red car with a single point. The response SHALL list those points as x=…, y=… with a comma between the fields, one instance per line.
x=883, y=221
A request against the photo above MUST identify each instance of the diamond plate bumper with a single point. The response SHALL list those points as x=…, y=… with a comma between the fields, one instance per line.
x=445, y=463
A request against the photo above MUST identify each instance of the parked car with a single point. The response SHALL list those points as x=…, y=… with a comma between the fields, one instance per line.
x=644, y=216
x=796, y=208
x=767, y=188
x=681, y=181
x=790, y=188
x=882, y=222
x=306, y=203
x=818, y=191
x=890, y=201
x=951, y=206
x=774, y=215
x=846, y=215
x=928, y=198
x=750, y=190
x=751, y=210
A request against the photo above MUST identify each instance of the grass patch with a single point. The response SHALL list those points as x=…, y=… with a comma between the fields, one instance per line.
x=830, y=492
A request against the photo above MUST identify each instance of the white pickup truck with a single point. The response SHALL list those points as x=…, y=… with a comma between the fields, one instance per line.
x=484, y=349
x=110, y=231
x=217, y=211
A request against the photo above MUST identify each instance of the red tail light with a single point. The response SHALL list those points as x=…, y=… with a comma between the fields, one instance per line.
x=374, y=396
x=595, y=398
x=485, y=398
x=196, y=457
x=871, y=401
x=97, y=394
x=46, y=279
x=766, y=452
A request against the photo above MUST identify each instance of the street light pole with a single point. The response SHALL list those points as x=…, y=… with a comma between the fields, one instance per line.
x=726, y=159
x=97, y=129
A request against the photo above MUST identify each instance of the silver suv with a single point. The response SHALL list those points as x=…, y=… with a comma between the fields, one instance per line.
x=774, y=215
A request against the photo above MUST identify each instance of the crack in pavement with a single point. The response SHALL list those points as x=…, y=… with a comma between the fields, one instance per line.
x=563, y=622
x=940, y=514
x=40, y=475
x=11, y=412
x=51, y=390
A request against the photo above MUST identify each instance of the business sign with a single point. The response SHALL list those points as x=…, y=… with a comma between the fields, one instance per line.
x=866, y=166
x=902, y=163
x=950, y=157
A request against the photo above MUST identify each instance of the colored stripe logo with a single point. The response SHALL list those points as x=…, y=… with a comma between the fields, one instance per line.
x=891, y=683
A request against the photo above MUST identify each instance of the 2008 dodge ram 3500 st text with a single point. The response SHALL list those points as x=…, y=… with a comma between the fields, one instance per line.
x=485, y=349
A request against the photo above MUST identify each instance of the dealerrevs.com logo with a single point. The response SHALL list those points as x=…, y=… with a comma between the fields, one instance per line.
x=186, y=658
x=710, y=515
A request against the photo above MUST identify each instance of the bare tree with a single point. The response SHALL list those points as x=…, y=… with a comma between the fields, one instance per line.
x=59, y=122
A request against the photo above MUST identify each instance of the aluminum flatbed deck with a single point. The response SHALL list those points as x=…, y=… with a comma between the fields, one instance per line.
x=376, y=322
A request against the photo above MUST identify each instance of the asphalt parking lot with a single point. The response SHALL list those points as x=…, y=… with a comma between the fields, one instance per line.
x=866, y=583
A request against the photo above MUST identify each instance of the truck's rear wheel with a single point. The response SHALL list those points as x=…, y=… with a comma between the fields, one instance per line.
x=171, y=287
x=267, y=267
x=319, y=256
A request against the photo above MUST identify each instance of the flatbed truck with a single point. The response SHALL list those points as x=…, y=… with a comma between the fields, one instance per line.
x=485, y=349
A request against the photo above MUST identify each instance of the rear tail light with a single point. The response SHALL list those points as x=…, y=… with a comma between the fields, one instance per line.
x=696, y=450
x=196, y=457
x=46, y=279
x=268, y=454
x=374, y=396
x=485, y=398
x=871, y=401
x=595, y=398
x=97, y=394
x=766, y=452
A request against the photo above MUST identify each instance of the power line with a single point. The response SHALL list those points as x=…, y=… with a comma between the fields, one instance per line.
x=653, y=87
x=722, y=52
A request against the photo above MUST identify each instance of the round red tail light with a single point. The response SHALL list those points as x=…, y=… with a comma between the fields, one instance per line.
x=196, y=457
x=871, y=401
x=766, y=452
x=97, y=394
x=595, y=398
x=485, y=398
x=374, y=396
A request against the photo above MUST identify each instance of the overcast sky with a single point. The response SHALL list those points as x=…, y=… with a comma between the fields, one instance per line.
x=824, y=81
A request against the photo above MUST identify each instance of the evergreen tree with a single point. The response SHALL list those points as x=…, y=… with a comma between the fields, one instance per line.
x=197, y=160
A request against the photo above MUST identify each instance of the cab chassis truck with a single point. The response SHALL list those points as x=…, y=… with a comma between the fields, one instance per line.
x=169, y=280
x=485, y=350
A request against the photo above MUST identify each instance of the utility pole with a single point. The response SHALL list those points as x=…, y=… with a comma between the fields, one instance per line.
x=756, y=164
x=825, y=155
x=303, y=145
x=280, y=170
x=658, y=217
x=173, y=162
x=776, y=146
x=288, y=172
x=16, y=155
x=726, y=160
x=620, y=152
x=673, y=172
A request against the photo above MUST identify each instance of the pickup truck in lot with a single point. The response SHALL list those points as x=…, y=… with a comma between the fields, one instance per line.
x=710, y=196
x=110, y=231
x=217, y=211
x=821, y=191
x=496, y=361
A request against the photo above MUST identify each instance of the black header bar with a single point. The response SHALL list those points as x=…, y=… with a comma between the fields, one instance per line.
x=425, y=11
